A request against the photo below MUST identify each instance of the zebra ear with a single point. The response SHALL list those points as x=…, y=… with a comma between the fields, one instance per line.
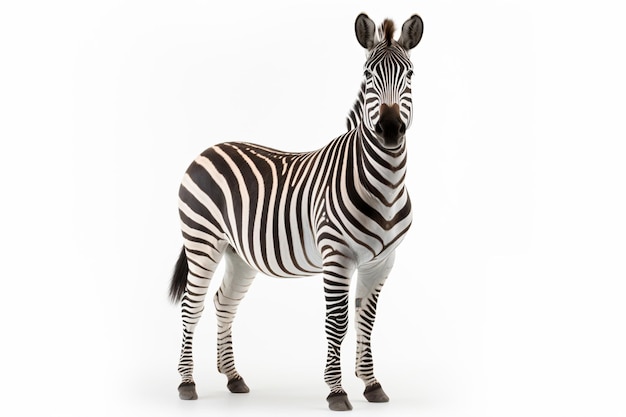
x=411, y=32
x=365, y=30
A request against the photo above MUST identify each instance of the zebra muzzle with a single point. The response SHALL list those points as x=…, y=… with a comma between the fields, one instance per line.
x=390, y=125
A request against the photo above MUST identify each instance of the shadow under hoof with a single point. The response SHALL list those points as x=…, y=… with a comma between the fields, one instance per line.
x=375, y=394
x=237, y=386
x=338, y=401
x=187, y=391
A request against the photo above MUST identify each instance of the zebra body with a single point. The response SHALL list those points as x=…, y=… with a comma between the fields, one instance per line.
x=292, y=200
x=334, y=211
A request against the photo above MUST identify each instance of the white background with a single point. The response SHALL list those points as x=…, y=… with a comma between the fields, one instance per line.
x=507, y=298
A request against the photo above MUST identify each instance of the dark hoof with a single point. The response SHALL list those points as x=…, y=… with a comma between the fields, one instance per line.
x=375, y=394
x=187, y=391
x=338, y=401
x=237, y=386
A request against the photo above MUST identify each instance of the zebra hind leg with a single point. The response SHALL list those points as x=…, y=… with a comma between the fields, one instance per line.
x=237, y=279
x=201, y=261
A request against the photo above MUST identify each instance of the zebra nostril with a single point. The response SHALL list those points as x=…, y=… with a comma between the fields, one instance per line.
x=378, y=128
x=402, y=128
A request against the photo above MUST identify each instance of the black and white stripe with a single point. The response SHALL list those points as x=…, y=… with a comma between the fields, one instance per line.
x=334, y=211
x=356, y=112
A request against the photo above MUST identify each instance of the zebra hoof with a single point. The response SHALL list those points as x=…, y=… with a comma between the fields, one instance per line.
x=187, y=391
x=338, y=401
x=375, y=394
x=237, y=385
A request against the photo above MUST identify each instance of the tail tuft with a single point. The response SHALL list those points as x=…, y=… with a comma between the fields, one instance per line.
x=179, y=278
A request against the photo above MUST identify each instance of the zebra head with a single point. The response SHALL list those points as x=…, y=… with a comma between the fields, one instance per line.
x=387, y=105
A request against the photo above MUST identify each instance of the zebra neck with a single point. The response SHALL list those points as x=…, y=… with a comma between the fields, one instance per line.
x=380, y=171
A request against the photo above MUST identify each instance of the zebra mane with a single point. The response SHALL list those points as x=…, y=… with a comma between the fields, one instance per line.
x=385, y=31
x=356, y=112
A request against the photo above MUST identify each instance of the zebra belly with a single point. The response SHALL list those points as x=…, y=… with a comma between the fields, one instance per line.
x=283, y=263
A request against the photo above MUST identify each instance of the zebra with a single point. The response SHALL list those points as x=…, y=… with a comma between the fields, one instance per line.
x=334, y=211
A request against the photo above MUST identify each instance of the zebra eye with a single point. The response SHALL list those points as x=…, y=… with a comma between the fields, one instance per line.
x=367, y=74
x=409, y=74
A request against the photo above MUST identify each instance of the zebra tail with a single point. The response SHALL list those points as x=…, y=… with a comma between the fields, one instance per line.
x=179, y=278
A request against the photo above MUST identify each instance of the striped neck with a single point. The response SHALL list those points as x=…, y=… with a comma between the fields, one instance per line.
x=381, y=171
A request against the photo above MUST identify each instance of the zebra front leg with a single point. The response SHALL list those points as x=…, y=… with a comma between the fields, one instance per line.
x=371, y=278
x=201, y=262
x=237, y=280
x=336, y=290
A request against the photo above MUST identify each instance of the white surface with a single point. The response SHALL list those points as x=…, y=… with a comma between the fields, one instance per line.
x=508, y=294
